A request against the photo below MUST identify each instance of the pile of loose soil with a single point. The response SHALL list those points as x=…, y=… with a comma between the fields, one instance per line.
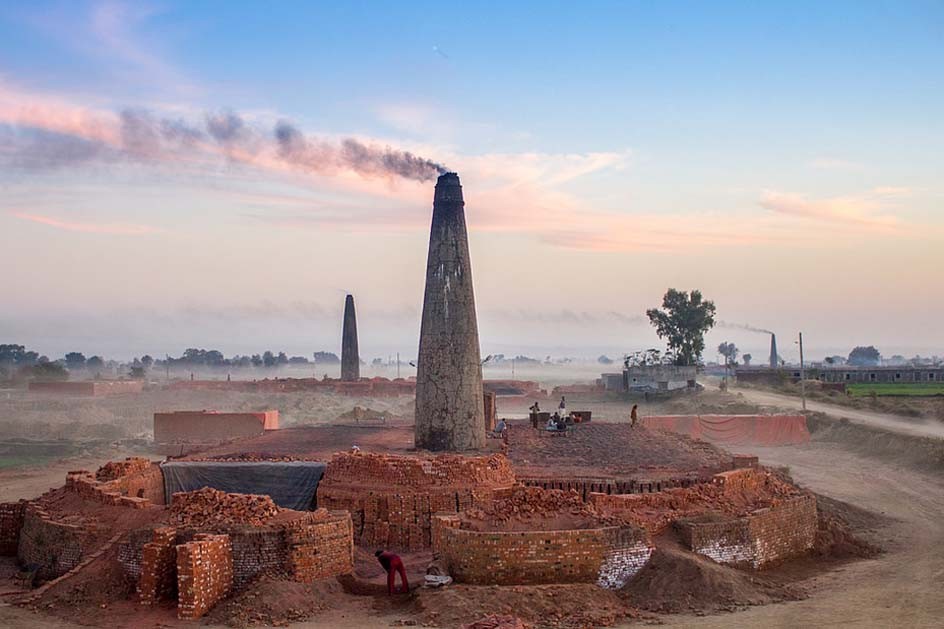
x=494, y=621
x=677, y=581
x=555, y=606
x=212, y=507
x=271, y=601
x=533, y=508
x=834, y=536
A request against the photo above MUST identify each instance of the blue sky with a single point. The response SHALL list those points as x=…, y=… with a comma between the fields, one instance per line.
x=783, y=157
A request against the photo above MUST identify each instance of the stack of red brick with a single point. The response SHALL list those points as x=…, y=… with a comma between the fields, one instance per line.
x=392, y=498
x=158, y=578
x=209, y=507
x=204, y=574
x=116, y=469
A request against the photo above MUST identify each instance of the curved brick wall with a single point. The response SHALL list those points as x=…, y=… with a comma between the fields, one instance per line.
x=608, y=556
x=55, y=547
x=767, y=535
x=392, y=498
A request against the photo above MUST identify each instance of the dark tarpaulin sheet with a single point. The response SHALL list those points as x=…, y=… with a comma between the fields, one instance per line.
x=290, y=484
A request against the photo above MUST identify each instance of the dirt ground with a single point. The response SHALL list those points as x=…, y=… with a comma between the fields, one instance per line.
x=901, y=587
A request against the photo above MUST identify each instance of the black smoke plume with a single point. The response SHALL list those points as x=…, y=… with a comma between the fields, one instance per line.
x=144, y=136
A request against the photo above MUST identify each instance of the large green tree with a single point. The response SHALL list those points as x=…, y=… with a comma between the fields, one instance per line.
x=682, y=322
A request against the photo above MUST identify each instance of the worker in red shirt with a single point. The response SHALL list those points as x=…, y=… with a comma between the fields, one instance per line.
x=392, y=563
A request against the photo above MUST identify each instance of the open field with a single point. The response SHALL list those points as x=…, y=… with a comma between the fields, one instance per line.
x=896, y=390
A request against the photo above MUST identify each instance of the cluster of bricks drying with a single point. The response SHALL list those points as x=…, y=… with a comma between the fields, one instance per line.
x=84, y=483
x=200, y=568
x=116, y=469
x=210, y=507
x=393, y=498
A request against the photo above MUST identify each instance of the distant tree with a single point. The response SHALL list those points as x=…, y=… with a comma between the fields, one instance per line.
x=326, y=358
x=747, y=359
x=268, y=359
x=864, y=356
x=729, y=351
x=147, y=361
x=256, y=360
x=377, y=362
x=605, y=360
x=95, y=362
x=136, y=373
x=10, y=354
x=298, y=360
x=75, y=360
x=46, y=372
x=281, y=359
x=682, y=322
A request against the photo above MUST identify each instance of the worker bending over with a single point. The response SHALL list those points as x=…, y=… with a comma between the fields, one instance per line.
x=392, y=563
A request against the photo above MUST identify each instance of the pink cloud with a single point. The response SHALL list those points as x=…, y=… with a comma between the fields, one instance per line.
x=864, y=210
x=125, y=229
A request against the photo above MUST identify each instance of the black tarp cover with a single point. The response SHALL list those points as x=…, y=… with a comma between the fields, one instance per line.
x=290, y=484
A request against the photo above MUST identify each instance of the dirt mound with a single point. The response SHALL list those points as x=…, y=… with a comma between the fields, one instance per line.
x=212, y=507
x=533, y=508
x=494, y=621
x=556, y=606
x=677, y=581
x=834, y=534
x=271, y=601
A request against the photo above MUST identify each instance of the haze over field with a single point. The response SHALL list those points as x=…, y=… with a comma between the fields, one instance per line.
x=173, y=175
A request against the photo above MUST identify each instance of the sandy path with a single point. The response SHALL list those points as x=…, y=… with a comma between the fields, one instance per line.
x=896, y=423
x=30, y=482
x=901, y=588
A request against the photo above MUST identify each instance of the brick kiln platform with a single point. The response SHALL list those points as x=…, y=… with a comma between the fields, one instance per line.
x=617, y=451
x=590, y=451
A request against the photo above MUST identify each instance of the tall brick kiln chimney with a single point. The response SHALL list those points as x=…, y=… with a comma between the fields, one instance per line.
x=449, y=410
x=774, y=361
x=350, y=360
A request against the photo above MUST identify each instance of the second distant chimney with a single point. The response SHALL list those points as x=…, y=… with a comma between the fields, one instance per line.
x=774, y=359
x=350, y=360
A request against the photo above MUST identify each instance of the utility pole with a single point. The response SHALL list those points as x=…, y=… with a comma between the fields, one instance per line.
x=398, y=365
x=802, y=378
x=512, y=368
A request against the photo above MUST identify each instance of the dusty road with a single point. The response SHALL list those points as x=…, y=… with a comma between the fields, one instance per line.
x=901, y=588
x=896, y=423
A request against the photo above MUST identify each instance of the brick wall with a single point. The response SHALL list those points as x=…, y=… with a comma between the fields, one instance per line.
x=210, y=427
x=587, y=486
x=767, y=535
x=11, y=521
x=54, y=546
x=204, y=574
x=322, y=548
x=158, y=579
x=135, y=483
x=392, y=498
x=608, y=556
x=131, y=550
x=88, y=388
x=257, y=551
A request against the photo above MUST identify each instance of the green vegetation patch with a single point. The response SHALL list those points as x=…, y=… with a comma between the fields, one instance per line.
x=917, y=389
